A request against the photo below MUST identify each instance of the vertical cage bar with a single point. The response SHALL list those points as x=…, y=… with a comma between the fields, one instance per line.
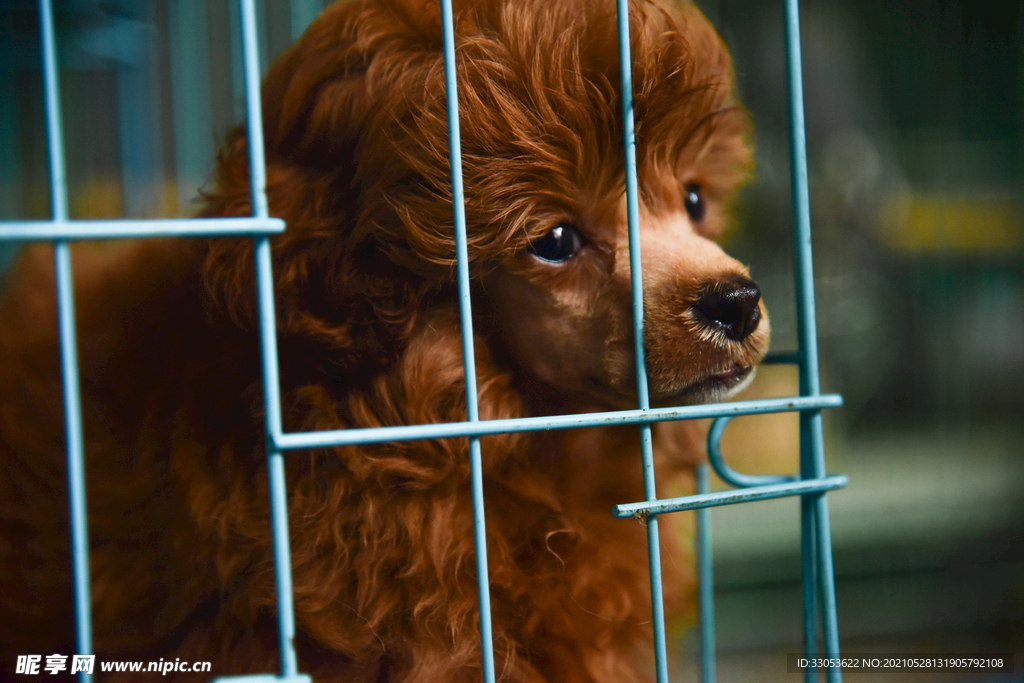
x=814, y=510
x=54, y=127
x=268, y=345
x=75, y=449
x=808, y=569
x=275, y=461
x=826, y=582
x=68, y=343
x=636, y=283
x=468, y=353
x=705, y=577
x=254, y=113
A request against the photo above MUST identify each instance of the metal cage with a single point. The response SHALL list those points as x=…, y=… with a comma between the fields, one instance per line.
x=810, y=484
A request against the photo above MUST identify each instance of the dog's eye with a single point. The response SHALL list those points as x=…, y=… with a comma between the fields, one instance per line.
x=559, y=244
x=694, y=202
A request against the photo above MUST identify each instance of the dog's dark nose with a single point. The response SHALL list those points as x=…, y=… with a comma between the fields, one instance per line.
x=732, y=306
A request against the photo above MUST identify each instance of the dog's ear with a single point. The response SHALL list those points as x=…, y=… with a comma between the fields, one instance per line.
x=316, y=95
x=332, y=280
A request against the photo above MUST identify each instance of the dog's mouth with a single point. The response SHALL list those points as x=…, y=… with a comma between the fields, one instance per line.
x=720, y=385
x=717, y=386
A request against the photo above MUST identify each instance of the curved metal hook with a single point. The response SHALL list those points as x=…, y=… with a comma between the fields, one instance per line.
x=728, y=474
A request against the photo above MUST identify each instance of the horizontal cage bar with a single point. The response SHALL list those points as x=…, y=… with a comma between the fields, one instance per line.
x=346, y=437
x=719, y=498
x=126, y=229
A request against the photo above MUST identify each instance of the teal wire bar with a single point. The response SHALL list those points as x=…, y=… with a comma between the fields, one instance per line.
x=744, y=495
x=468, y=354
x=65, y=229
x=636, y=283
x=344, y=437
x=68, y=344
x=268, y=346
x=705, y=581
x=728, y=474
x=819, y=579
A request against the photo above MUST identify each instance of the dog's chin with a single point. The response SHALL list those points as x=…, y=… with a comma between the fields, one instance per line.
x=712, y=388
x=718, y=386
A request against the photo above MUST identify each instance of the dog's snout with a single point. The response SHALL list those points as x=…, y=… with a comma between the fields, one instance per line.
x=732, y=306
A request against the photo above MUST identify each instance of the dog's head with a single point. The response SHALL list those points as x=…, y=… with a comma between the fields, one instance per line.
x=356, y=131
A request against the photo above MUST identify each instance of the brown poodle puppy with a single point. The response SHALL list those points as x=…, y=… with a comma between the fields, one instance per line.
x=381, y=535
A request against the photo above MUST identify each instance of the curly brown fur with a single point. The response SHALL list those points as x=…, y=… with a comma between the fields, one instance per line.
x=381, y=535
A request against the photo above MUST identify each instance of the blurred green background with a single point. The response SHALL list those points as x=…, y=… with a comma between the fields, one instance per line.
x=915, y=125
x=915, y=122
